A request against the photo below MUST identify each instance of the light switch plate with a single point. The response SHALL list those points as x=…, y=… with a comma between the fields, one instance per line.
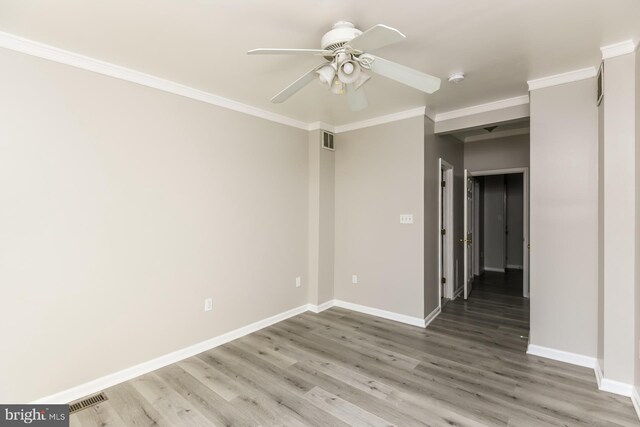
x=298, y=282
x=208, y=304
x=406, y=219
x=354, y=279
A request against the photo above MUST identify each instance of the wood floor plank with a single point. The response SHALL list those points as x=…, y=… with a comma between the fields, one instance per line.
x=173, y=407
x=347, y=412
x=101, y=415
x=341, y=368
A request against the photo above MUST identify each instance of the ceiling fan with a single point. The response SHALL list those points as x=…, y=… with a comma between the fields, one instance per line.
x=346, y=50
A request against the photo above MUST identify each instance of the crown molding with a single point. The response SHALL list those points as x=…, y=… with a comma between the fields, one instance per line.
x=30, y=47
x=560, y=79
x=48, y=52
x=618, y=49
x=388, y=118
x=482, y=108
x=321, y=126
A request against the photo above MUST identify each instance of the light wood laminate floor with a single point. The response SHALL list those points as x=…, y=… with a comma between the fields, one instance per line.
x=339, y=368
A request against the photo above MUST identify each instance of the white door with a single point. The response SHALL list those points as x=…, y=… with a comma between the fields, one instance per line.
x=468, y=233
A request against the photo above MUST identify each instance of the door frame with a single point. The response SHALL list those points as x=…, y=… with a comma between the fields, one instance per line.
x=448, y=224
x=525, y=218
x=468, y=234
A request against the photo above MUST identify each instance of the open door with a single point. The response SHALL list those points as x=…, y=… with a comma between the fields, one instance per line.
x=468, y=233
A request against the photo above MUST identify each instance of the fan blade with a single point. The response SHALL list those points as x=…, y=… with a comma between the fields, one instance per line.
x=268, y=51
x=375, y=38
x=405, y=75
x=294, y=87
x=357, y=98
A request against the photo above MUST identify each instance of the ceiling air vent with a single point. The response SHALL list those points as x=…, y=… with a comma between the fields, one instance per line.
x=86, y=403
x=327, y=141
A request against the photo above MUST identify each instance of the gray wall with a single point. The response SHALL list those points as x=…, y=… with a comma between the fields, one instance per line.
x=494, y=223
x=501, y=153
x=379, y=176
x=451, y=150
x=321, y=220
x=619, y=218
x=564, y=218
x=637, y=258
x=515, y=219
x=600, y=347
x=637, y=223
x=125, y=207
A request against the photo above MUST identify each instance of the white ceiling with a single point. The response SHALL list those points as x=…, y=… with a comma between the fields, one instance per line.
x=499, y=44
x=493, y=131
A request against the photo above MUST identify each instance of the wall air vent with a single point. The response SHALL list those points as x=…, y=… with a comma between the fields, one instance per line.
x=327, y=141
x=87, y=402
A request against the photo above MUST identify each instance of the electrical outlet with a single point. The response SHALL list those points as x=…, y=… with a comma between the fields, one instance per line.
x=208, y=304
x=298, y=282
x=354, y=279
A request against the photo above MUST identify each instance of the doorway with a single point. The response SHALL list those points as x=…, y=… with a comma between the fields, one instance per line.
x=445, y=233
x=497, y=228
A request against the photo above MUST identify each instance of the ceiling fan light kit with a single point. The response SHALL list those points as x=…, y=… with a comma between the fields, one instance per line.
x=345, y=48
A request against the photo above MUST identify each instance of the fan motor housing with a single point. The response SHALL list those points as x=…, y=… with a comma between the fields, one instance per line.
x=342, y=32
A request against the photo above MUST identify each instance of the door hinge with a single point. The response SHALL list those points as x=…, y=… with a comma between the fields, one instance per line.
x=444, y=183
x=444, y=231
x=444, y=280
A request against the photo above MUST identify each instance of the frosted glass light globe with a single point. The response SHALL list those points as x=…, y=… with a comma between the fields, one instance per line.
x=347, y=68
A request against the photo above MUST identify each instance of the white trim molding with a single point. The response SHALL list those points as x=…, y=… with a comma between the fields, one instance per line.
x=321, y=126
x=615, y=387
x=611, y=386
x=110, y=380
x=560, y=79
x=598, y=371
x=41, y=50
x=431, y=316
x=604, y=384
x=497, y=270
x=618, y=49
x=127, y=374
x=388, y=118
x=635, y=398
x=562, y=356
x=390, y=315
x=482, y=108
x=322, y=307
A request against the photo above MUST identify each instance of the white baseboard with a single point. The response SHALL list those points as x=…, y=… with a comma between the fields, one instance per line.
x=612, y=386
x=635, y=398
x=604, y=384
x=127, y=374
x=403, y=318
x=514, y=267
x=322, y=307
x=616, y=387
x=110, y=380
x=599, y=375
x=431, y=316
x=497, y=270
x=562, y=356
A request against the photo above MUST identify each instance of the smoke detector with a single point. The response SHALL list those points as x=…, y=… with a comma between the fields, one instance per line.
x=456, y=78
